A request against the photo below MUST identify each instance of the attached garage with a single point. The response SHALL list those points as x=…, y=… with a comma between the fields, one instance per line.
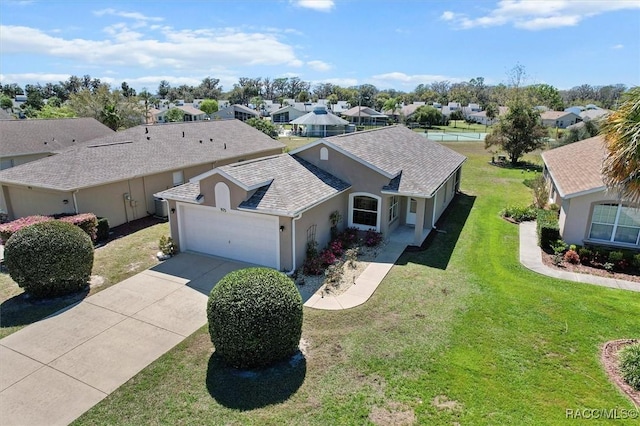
x=232, y=234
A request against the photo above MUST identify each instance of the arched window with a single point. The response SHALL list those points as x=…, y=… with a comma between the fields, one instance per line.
x=615, y=223
x=324, y=153
x=223, y=199
x=364, y=211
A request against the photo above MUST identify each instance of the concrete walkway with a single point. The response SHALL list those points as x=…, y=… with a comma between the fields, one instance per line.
x=54, y=370
x=365, y=284
x=531, y=257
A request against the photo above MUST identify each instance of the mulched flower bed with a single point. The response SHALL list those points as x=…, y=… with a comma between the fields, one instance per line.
x=609, y=357
x=629, y=274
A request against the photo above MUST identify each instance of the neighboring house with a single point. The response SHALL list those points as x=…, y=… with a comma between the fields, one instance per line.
x=404, y=112
x=115, y=176
x=239, y=112
x=320, y=123
x=559, y=119
x=594, y=113
x=189, y=114
x=362, y=115
x=266, y=211
x=286, y=114
x=589, y=212
x=481, y=117
x=23, y=141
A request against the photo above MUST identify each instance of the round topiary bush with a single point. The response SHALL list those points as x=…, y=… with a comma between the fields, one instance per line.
x=630, y=365
x=255, y=317
x=49, y=259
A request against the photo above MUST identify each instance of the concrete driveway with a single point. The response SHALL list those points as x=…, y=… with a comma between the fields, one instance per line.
x=54, y=370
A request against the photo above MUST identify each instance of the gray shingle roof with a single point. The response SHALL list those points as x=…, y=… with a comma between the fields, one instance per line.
x=320, y=118
x=134, y=152
x=23, y=137
x=293, y=185
x=363, y=112
x=424, y=164
x=296, y=184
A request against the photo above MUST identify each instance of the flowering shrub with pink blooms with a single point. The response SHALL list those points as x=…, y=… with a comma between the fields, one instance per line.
x=10, y=228
x=372, y=238
x=85, y=221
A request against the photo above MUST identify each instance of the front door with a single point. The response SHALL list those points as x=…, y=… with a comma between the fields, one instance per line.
x=412, y=207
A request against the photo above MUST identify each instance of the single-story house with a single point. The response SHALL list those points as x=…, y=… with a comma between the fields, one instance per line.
x=589, y=212
x=115, y=176
x=320, y=123
x=239, y=112
x=23, y=141
x=189, y=113
x=362, y=115
x=287, y=114
x=405, y=111
x=559, y=119
x=594, y=114
x=267, y=210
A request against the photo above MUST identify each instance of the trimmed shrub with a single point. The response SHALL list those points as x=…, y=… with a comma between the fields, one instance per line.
x=615, y=256
x=10, y=228
x=572, y=257
x=630, y=365
x=102, y=230
x=636, y=260
x=255, y=317
x=372, y=238
x=50, y=259
x=586, y=255
x=519, y=213
x=88, y=222
x=548, y=228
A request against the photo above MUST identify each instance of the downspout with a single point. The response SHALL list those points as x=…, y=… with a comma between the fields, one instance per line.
x=293, y=244
x=433, y=211
x=75, y=201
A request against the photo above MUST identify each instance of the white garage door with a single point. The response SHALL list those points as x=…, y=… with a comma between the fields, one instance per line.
x=247, y=237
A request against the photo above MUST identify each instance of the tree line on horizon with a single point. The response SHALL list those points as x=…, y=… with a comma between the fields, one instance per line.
x=256, y=90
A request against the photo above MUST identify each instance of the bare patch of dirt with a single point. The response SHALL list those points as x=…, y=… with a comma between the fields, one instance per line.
x=442, y=403
x=610, y=361
x=96, y=281
x=394, y=413
x=632, y=275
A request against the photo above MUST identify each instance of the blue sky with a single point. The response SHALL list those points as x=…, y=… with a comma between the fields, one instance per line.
x=389, y=43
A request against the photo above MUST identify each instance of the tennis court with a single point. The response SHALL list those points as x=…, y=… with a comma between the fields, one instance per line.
x=454, y=136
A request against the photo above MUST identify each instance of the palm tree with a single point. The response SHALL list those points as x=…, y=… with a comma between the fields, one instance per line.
x=621, y=131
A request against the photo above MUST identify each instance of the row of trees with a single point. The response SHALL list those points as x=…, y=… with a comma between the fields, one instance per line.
x=256, y=90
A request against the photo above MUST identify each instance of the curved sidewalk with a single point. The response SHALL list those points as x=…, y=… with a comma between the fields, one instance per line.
x=531, y=257
x=365, y=285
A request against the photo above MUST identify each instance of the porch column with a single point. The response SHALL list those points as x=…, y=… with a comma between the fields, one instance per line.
x=417, y=233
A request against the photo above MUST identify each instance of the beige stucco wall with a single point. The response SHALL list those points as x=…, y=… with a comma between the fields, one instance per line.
x=23, y=201
x=575, y=215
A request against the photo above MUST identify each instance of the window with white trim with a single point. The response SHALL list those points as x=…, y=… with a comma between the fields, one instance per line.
x=324, y=153
x=364, y=212
x=393, y=208
x=615, y=223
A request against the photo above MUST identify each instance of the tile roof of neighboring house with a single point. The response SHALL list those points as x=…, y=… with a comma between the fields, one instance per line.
x=364, y=112
x=286, y=108
x=576, y=168
x=24, y=137
x=287, y=185
x=134, y=153
x=392, y=150
x=320, y=117
x=191, y=110
x=594, y=114
x=554, y=115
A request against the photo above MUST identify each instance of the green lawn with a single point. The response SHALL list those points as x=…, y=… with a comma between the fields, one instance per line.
x=116, y=261
x=460, y=332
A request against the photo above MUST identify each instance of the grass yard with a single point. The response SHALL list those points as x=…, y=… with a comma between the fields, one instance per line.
x=114, y=262
x=458, y=333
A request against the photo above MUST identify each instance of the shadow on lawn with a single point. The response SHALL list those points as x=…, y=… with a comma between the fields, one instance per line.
x=436, y=250
x=250, y=389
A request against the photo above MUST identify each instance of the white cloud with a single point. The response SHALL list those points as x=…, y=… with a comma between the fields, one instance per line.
x=319, y=65
x=618, y=46
x=169, y=48
x=33, y=77
x=342, y=82
x=128, y=15
x=319, y=5
x=538, y=15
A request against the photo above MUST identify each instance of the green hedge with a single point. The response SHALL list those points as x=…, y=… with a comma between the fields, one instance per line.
x=102, y=230
x=49, y=259
x=548, y=228
x=255, y=317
